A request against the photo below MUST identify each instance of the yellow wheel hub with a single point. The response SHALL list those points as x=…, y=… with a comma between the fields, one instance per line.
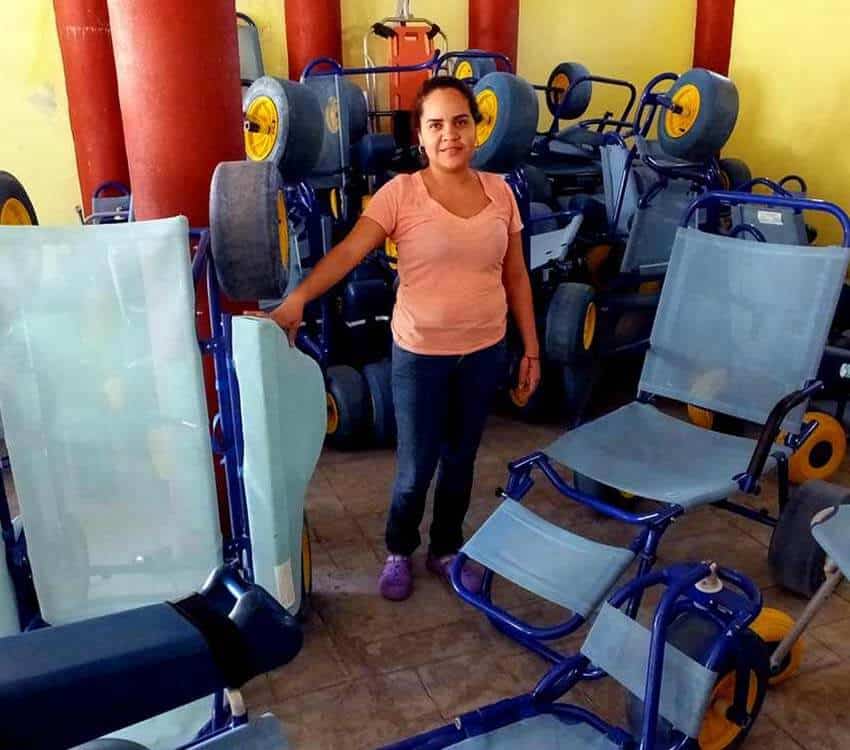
x=589, y=326
x=772, y=625
x=822, y=453
x=464, y=70
x=519, y=397
x=561, y=83
x=262, y=122
x=282, y=229
x=14, y=213
x=678, y=124
x=333, y=415
x=701, y=417
x=334, y=200
x=306, y=558
x=488, y=106
x=718, y=731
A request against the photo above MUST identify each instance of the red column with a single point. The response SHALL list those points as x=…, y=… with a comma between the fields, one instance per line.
x=86, y=45
x=494, y=26
x=180, y=92
x=181, y=104
x=313, y=29
x=713, y=34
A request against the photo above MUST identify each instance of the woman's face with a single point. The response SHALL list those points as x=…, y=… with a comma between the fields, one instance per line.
x=447, y=130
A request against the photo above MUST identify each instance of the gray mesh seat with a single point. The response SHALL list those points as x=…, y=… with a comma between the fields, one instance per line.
x=740, y=325
x=542, y=732
x=517, y=544
x=654, y=228
x=833, y=534
x=672, y=461
x=781, y=225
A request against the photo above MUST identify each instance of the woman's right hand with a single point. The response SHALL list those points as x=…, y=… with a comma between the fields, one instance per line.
x=289, y=314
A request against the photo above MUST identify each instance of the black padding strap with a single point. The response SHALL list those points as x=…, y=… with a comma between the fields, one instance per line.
x=227, y=646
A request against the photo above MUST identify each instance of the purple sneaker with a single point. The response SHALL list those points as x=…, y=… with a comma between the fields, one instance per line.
x=396, y=581
x=471, y=576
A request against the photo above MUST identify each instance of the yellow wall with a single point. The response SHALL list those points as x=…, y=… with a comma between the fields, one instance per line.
x=629, y=40
x=35, y=136
x=611, y=37
x=789, y=60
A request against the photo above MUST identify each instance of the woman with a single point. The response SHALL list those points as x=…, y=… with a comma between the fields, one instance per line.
x=461, y=268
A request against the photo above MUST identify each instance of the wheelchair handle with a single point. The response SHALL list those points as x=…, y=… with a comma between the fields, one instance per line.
x=776, y=187
x=777, y=201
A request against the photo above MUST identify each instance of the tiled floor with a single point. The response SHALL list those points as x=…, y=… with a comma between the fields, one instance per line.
x=373, y=671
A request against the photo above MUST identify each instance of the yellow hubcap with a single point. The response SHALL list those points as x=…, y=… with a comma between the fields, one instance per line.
x=561, y=83
x=519, y=397
x=678, y=124
x=701, y=417
x=14, y=213
x=333, y=415
x=262, y=122
x=464, y=70
x=822, y=453
x=334, y=198
x=282, y=229
x=589, y=326
x=488, y=105
x=332, y=115
x=772, y=625
x=717, y=731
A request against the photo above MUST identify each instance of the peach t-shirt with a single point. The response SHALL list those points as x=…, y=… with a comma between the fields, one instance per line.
x=451, y=299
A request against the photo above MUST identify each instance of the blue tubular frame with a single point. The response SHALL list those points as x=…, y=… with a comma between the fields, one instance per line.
x=601, y=122
x=732, y=609
x=644, y=546
x=653, y=524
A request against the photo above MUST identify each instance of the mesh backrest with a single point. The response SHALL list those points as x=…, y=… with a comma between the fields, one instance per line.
x=250, y=56
x=613, y=159
x=741, y=323
x=106, y=422
x=620, y=646
x=654, y=228
x=8, y=608
x=784, y=226
x=284, y=418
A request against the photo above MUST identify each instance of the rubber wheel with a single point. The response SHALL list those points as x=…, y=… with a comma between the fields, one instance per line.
x=578, y=381
x=796, y=560
x=570, y=323
x=559, y=81
x=508, y=107
x=379, y=380
x=474, y=68
x=695, y=636
x=348, y=406
x=821, y=455
x=772, y=625
x=281, y=119
x=15, y=205
x=539, y=186
x=306, y=570
x=111, y=744
x=734, y=173
x=248, y=230
x=545, y=225
x=710, y=110
x=604, y=492
x=358, y=114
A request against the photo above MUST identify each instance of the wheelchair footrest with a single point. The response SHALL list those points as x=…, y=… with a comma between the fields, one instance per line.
x=560, y=566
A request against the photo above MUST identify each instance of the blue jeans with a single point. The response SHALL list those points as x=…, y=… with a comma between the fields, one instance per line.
x=441, y=406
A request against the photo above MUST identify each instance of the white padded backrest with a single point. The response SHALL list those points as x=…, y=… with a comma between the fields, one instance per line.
x=103, y=403
x=284, y=417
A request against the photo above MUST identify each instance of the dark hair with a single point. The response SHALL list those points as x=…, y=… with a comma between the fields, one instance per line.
x=440, y=83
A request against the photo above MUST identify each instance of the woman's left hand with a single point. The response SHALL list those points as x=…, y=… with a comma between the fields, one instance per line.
x=529, y=376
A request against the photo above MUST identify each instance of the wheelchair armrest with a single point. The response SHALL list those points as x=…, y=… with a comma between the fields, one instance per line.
x=68, y=684
x=770, y=431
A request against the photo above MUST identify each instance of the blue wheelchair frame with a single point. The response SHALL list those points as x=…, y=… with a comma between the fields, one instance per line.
x=652, y=524
x=732, y=611
x=227, y=444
